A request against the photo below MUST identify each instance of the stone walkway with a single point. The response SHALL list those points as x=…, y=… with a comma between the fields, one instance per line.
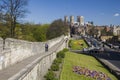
x=10, y=71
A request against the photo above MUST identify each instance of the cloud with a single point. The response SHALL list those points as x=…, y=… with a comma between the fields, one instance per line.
x=116, y=14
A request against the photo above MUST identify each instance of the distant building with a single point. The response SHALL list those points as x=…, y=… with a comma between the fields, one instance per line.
x=89, y=23
x=76, y=24
x=66, y=19
x=71, y=19
x=76, y=27
x=105, y=38
x=81, y=30
x=80, y=19
x=99, y=33
x=116, y=30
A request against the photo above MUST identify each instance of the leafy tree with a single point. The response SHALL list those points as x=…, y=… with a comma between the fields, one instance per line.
x=110, y=33
x=18, y=31
x=40, y=31
x=4, y=31
x=104, y=32
x=14, y=9
x=34, y=32
x=27, y=33
x=92, y=22
x=93, y=31
x=57, y=28
x=1, y=17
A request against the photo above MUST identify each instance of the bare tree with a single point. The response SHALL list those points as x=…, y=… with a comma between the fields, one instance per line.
x=14, y=9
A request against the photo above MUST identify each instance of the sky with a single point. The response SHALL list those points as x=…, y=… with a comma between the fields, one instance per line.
x=101, y=12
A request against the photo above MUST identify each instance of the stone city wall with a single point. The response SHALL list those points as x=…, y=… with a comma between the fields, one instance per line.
x=37, y=69
x=1, y=44
x=17, y=50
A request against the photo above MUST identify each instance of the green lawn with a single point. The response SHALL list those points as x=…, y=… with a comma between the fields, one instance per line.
x=73, y=59
x=78, y=44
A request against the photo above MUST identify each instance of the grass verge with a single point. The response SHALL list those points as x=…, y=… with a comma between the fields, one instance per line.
x=72, y=59
x=55, y=70
x=77, y=44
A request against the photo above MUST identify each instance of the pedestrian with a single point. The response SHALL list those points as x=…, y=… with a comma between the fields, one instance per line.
x=66, y=40
x=46, y=47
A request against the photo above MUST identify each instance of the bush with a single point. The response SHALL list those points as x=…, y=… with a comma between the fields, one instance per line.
x=60, y=54
x=50, y=76
x=69, y=43
x=65, y=50
x=56, y=29
x=39, y=33
x=57, y=61
x=55, y=67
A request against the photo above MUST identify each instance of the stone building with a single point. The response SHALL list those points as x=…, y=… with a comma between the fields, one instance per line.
x=66, y=19
x=71, y=19
x=80, y=19
x=116, y=31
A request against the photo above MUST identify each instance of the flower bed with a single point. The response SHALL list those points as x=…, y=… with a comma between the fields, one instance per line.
x=77, y=44
x=90, y=73
x=88, y=62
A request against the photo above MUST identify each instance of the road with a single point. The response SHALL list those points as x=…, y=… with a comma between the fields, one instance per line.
x=108, y=56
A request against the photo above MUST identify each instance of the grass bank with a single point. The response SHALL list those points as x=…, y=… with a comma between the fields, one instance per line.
x=73, y=59
x=77, y=44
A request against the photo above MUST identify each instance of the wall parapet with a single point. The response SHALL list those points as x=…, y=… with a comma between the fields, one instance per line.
x=14, y=50
x=38, y=68
x=1, y=44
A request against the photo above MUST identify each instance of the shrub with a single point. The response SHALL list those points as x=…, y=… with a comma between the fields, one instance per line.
x=65, y=50
x=56, y=29
x=60, y=54
x=50, y=75
x=55, y=67
x=69, y=43
x=57, y=61
x=55, y=79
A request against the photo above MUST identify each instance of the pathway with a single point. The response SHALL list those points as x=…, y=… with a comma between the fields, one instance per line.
x=10, y=71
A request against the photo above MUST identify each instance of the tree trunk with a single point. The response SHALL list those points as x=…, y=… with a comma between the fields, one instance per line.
x=14, y=25
x=11, y=31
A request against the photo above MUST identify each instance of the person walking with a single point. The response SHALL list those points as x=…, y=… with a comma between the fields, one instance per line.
x=46, y=47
